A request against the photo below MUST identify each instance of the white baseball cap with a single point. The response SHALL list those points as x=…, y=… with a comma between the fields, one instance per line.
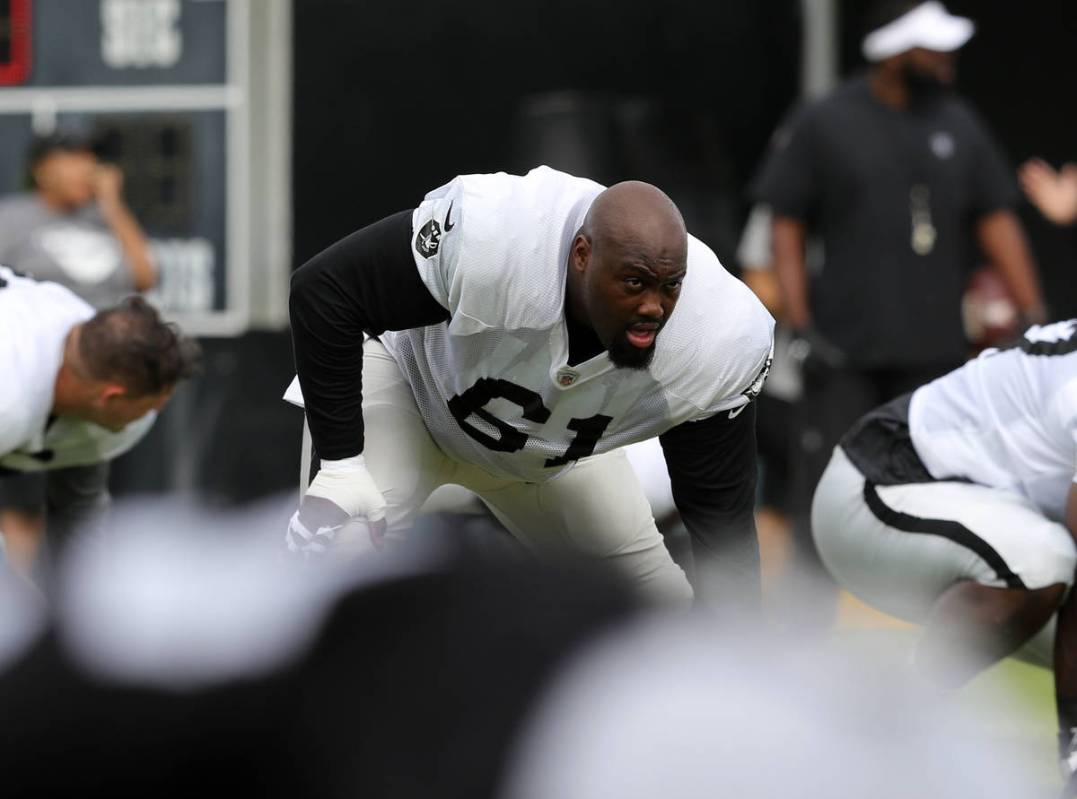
x=929, y=25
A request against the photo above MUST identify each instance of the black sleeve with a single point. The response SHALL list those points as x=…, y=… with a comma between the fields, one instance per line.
x=366, y=282
x=712, y=467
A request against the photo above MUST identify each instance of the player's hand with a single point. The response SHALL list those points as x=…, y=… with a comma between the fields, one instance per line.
x=341, y=490
x=1054, y=193
x=1067, y=752
x=108, y=184
x=313, y=527
x=1067, y=761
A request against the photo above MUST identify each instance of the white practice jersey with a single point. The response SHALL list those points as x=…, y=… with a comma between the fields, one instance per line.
x=35, y=318
x=1006, y=419
x=494, y=385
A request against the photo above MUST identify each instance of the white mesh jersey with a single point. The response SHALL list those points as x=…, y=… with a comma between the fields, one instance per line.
x=1007, y=419
x=493, y=383
x=35, y=318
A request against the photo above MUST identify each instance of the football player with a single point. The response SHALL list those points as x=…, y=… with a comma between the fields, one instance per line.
x=524, y=329
x=955, y=506
x=77, y=389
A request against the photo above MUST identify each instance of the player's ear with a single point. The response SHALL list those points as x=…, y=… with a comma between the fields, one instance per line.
x=581, y=252
x=111, y=391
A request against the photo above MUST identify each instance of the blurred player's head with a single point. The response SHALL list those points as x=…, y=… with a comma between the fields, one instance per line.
x=62, y=168
x=122, y=364
x=625, y=269
x=917, y=42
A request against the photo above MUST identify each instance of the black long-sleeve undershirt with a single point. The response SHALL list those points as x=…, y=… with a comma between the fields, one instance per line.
x=712, y=468
x=366, y=282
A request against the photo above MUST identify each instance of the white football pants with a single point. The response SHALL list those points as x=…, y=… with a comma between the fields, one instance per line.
x=597, y=508
x=900, y=547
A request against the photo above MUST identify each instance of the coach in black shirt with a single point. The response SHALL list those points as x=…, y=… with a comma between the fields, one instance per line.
x=902, y=183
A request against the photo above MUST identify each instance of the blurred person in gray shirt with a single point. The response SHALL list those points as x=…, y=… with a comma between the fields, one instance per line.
x=74, y=227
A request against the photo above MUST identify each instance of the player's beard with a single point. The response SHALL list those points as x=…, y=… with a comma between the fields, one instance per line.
x=624, y=355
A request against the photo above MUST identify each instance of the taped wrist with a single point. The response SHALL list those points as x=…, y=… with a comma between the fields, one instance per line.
x=348, y=485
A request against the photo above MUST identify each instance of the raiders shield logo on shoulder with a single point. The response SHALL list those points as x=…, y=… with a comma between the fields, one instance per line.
x=756, y=388
x=428, y=239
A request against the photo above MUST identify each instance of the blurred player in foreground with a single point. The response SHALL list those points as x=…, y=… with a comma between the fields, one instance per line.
x=534, y=334
x=77, y=389
x=185, y=655
x=956, y=507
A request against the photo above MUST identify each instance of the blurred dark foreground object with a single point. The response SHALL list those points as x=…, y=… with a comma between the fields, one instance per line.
x=413, y=685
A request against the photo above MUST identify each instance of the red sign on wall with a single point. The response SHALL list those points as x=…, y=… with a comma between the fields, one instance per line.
x=14, y=41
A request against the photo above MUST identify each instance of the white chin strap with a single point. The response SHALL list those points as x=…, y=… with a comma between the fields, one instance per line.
x=929, y=25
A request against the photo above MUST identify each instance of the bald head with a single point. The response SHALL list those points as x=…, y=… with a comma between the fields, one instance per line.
x=625, y=269
x=639, y=216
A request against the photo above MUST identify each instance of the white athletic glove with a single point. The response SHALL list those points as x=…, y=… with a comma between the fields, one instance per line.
x=341, y=490
x=1067, y=754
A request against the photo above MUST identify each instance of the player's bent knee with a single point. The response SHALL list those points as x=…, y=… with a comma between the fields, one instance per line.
x=671, y=590
x=684, y=594
x=661, y=580
x=1067, y=567
x=1054, y=564
x=1045, y=601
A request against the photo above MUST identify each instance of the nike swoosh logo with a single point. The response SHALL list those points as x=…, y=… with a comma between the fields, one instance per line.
x=733, y=414
x=449, y=225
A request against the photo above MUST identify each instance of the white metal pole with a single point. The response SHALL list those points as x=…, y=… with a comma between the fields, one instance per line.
x=819, y=47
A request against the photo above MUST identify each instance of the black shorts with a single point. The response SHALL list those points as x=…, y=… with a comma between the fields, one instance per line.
x=22, y=490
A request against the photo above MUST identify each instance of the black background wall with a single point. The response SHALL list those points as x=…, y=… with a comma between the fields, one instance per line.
x=391, y=101
x=226, y=436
